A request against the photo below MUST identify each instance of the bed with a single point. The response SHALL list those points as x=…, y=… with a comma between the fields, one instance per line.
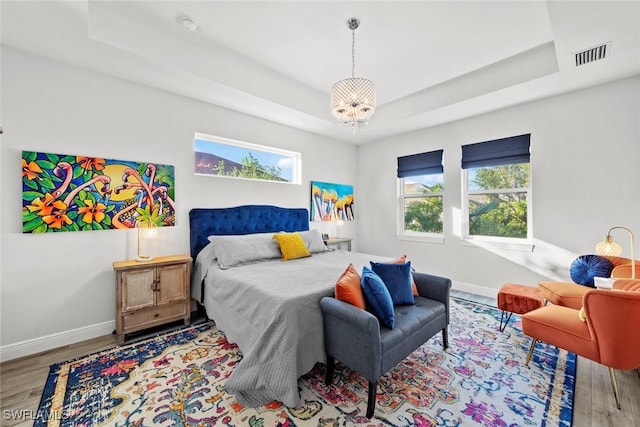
x=268, y=307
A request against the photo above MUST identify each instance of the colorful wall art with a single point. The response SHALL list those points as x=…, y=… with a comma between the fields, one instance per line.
x=331, y=202
x=76, y=193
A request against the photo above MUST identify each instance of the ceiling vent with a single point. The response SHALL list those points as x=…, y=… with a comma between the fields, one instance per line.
x=593, y=54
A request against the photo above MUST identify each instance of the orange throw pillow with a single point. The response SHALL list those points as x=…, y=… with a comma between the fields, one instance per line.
x=348, y=288
x=402, y=260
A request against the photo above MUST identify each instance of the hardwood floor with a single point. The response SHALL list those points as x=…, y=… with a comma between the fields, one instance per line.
x=22, y=381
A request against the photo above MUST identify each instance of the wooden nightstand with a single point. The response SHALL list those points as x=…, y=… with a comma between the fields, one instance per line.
x=151, y=293
x=338, y=242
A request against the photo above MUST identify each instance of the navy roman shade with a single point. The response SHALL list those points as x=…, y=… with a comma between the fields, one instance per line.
x=504, y=151
x=420, y=164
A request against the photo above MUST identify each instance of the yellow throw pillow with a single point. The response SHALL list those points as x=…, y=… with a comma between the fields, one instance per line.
x=582, y=315
x=291, y=245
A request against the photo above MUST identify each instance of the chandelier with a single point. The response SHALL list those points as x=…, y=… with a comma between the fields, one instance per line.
x=353, y=100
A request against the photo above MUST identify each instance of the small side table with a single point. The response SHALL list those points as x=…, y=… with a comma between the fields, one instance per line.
x=152, y=293
x=338, y=242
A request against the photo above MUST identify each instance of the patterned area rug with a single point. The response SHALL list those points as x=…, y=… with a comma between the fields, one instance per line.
x=177, y=379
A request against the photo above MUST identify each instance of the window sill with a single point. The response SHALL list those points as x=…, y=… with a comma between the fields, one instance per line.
x=421, y=238
x=507, y=246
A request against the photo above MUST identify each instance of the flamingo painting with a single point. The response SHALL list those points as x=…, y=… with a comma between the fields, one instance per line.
x=79, y=193
x=331, y=202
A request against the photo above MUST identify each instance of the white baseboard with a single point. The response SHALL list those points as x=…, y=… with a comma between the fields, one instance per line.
x=475, y=289
x=48, y=342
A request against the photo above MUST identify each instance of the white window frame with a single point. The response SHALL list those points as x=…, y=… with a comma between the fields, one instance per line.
x=513, y=243
x=404, y=234
x=296, y=172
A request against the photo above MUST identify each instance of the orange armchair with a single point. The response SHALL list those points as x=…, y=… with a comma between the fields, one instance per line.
x=570, y=294
x=609, y=335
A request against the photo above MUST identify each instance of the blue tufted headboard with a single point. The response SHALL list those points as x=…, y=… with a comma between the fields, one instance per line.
x=247, y=219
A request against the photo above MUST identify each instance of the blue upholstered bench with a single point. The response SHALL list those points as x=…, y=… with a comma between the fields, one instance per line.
x=355, y=338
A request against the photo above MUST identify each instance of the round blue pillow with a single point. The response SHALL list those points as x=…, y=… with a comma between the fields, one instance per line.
x=586, y=267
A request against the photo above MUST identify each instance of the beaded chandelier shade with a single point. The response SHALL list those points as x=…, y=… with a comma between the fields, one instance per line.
x=353, y=100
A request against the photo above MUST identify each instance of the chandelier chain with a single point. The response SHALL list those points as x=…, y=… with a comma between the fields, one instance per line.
x=353, y=53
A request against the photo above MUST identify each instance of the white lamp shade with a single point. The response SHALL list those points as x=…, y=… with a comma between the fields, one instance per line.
x=146, y=232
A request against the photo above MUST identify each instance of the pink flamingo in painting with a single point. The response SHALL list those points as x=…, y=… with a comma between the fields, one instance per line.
x=162, y=193
x=151, y=173
x=130, y=172
x=149, y=188
x=104, y=179
x=54, y=212
x=161, y=190
x=66, y=169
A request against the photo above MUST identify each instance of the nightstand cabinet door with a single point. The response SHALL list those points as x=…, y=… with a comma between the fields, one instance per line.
x=138, y=289
x=171, y=284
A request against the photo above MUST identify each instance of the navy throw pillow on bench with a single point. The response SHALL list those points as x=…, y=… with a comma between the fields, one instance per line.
x=397, y=279
x=377, y=297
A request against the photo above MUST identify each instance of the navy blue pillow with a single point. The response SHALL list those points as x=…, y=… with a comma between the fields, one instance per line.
x=397, y=279
x=586, y=267
x=377, y=297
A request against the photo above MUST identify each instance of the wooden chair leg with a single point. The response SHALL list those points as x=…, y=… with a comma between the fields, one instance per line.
x=371, y=402
x=533, y=344
x=614, y=383
x=445, y=339
x=331, y=363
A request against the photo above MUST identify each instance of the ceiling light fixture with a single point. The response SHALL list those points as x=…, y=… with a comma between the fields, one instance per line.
x=353, y=100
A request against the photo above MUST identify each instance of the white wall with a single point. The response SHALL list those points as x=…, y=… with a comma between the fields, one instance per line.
x=59, y=287
x=585, y=176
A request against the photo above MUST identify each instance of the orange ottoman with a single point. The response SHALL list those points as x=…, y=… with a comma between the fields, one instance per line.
x=566, y=294
x=519, y=299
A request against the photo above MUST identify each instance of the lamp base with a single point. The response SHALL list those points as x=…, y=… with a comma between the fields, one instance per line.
x=143, y=258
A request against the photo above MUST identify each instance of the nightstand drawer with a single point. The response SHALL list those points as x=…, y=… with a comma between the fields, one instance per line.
x=140, y=319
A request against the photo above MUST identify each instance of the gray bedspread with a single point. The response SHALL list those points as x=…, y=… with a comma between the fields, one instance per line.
x=271, y=310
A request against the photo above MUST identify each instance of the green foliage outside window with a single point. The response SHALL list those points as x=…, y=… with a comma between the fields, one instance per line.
x=424, y=215
x=250, y=168
x=499, y=213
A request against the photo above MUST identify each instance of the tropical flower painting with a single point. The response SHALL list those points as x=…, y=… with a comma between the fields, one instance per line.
x=77, y=193
x=331, y=202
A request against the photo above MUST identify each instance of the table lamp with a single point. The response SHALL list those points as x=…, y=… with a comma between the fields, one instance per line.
x=609, y=247
x=146, y=231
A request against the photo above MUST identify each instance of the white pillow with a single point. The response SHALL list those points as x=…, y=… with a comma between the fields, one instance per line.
x=313, y=241
x=236, y=250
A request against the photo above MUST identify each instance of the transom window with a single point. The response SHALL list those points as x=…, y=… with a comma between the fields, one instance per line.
x=496, y=200
x=224, y=157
